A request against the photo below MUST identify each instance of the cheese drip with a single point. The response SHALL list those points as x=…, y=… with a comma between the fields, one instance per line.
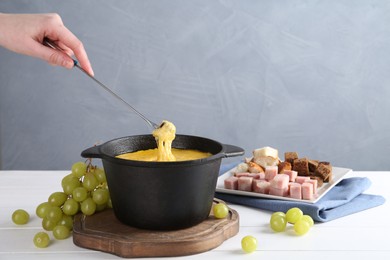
x=164, y=136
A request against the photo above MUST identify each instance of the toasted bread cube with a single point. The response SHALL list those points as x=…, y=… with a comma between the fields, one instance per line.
x=282, y=166
x=290, y=157
x=301, y=165
x=254, y=168
x=324, y=171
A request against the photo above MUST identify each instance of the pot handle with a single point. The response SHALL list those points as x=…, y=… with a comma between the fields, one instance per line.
x=92, y=152
x=232, y=150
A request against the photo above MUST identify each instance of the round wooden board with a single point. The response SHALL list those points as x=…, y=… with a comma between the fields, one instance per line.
x=103, y=232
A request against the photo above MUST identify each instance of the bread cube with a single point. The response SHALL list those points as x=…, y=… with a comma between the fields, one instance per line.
x=290, y=157
x=301, y=166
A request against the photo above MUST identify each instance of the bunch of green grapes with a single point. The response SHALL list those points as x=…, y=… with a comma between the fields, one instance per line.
x=84, y=190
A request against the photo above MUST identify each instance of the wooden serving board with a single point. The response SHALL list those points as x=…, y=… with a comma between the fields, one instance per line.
x=103, y=232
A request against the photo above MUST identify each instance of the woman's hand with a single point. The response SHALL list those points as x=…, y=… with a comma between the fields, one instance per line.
x=24, y=34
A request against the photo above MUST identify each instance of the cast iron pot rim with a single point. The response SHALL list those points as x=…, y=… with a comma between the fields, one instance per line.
x=105, y=156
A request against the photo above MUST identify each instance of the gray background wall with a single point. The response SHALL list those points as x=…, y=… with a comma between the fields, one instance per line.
x=306, y=76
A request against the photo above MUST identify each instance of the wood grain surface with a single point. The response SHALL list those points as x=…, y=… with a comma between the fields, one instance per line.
x=104, y=232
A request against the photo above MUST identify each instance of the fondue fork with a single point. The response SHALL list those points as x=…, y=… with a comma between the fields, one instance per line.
x=49, y=43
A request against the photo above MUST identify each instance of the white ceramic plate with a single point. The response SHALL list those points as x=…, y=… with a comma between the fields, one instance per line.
x=338, y=175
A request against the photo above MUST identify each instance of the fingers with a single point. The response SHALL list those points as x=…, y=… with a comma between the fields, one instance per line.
x=68, y=41
x=52, y=56
x=60, y=59
x=65, y=49
x=24, y=33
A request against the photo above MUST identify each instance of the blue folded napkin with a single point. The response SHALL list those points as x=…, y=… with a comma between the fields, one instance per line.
x=343, y=199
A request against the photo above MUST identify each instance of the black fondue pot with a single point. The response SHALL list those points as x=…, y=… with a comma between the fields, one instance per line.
x=161, y=195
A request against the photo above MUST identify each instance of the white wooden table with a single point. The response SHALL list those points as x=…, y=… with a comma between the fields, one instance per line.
x=364, y=235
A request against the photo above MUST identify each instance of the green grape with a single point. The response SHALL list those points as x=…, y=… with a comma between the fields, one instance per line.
x=41, y=239
x=90, y=182
x=54, y=214
x=47, y=224
x=79, y=169
x=308, y=219
x=278, y=213
x=100, y=175
x=293, y=215
x=69, y=183
x=88, y=207
x=220, y=210
x=101, y=207
x=61, y=232
x=100, y=196
x=66, y=221
x=42, y=208
x=249, y=244
x=20, y=217
x=278, y=223
x=109, y=203
x=301, y=227
x=70, y=207
x=79, y=194
x=57, y=198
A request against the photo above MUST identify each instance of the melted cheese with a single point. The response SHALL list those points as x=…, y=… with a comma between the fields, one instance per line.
x=164, y=152
x=151, y=155
x=164, y=135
